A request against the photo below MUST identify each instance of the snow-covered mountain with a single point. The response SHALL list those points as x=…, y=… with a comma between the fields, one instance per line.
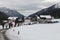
x=57, y=5
x=53, y=10
x=10, y=12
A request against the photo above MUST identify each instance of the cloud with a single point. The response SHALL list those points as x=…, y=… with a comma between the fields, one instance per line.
x=51, y=0
x=20, y=3
x=27, y=6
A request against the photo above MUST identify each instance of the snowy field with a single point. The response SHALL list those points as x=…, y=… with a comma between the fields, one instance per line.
x=35, y=32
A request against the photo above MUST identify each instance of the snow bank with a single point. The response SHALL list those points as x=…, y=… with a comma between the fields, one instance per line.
x=1, y=27
x=35, y=32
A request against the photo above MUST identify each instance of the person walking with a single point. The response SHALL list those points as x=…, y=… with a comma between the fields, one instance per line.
x=13, y=24
x=10, y=24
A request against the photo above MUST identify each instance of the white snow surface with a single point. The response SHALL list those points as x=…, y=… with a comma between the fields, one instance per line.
x=1, y=27
x=35, y=32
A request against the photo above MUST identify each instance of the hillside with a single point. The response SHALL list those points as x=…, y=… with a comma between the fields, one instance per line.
x=54, y=11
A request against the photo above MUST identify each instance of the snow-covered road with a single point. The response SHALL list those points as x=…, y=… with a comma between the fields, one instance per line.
x=35, y=32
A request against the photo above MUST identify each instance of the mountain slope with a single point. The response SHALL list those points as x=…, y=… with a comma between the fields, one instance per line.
x=54, y=11
x=12, y=13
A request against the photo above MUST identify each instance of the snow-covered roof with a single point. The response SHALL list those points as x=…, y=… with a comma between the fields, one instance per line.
x=47, y=16
x=4, y=21
x=12, y=18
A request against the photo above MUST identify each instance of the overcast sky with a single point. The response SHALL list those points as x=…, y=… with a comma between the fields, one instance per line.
x=27, y=7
